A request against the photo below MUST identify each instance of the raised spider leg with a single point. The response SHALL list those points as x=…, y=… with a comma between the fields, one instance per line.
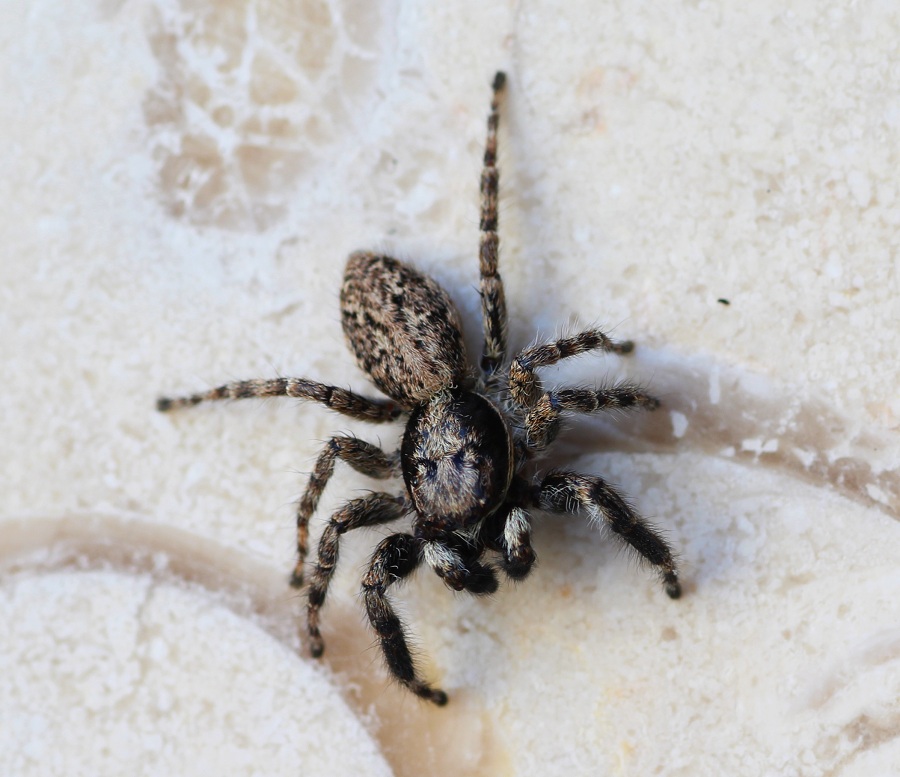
x=542, y=420
x=395, y=558
x=363, y=457
x=493, y=300
x=334, y=398
x=571, y=492
x=525, y=387
x=371, y=510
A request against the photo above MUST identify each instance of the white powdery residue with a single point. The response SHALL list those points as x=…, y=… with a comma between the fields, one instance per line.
x=757, y=446
x=894, y=407
x=892, y=115
x=420, y=199
x=806, y=457
x=833, y=267
x=878, y=494
x=36, y=734
x=193, y=475
x=679, y=423
x=860, y=187
x=715, y=387
x=157, y=650
x=582, y=235
x=258, y=546
x=164, y=700
x=755, y=385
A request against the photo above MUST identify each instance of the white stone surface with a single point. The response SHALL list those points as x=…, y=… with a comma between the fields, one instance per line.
x=181, y=183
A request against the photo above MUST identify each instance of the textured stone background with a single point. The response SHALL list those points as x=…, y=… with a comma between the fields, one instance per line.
x=180, y=187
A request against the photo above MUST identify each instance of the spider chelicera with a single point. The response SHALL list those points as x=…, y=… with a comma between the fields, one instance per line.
x=467, y=439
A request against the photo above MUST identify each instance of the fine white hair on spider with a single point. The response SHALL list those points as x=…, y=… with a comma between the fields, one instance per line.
x=471, y=443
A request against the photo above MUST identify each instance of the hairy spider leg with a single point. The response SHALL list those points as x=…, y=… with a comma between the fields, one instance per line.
x=333, y=397
x=493, y=299
x=542, y=420
x=395, y=558
x=525, y=387
x=572, y=493
x=363, y=457
x=370, y=510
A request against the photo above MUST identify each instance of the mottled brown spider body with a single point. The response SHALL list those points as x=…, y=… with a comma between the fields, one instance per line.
x=469, y=442
x=456, y=455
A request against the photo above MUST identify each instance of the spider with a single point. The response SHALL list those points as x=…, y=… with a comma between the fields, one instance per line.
x=467, y=438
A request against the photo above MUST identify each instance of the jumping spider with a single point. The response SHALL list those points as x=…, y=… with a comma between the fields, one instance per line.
x=466, y=439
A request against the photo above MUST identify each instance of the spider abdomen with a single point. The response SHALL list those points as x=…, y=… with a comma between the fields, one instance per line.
x=402, y=327
x=457, y=459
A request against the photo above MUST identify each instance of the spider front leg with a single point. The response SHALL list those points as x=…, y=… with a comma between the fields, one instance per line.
x=493, y=299
x=363, y=457
x=371, y=510
x=571, y=492
x=524, y=385
x=333, y=397
x=542, y=420
x=395, y=558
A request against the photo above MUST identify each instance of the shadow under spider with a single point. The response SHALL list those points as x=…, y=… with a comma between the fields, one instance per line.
x=743, y=417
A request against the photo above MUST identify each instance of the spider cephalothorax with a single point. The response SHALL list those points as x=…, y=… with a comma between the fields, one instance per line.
x=468, y=436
